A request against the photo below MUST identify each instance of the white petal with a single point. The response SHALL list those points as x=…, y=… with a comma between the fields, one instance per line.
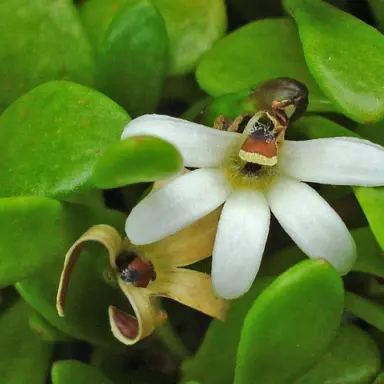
x=199, y=145
x=312, y=224
x=240, y=241
x=180, y=203
x=338, y=160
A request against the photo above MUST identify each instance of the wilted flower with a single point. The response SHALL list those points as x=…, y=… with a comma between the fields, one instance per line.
x=253, y=172
x=146, y=272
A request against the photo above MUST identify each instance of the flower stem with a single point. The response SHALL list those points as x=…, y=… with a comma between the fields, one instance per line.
x=172, y=340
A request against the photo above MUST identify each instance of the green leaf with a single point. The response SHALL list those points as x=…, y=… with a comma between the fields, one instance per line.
x=51, y=138
x=97, y=15
x=91, y=291
x=344, y=55
x=352, y=358
x=369, y=311
x=45, y=329
x=137, y=159
x=133, y=58
x=36, y=231
x=193, y=26
x=291, y=324
x=214, y=363
x=254, y=53
x=40, y=41
x=24, y=357
x=72, y=371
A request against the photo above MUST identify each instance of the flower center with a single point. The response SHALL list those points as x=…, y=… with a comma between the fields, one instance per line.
x=253, y=162
x=134, y=270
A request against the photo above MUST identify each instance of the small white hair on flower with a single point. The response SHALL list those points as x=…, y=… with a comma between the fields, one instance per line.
x=248, y=196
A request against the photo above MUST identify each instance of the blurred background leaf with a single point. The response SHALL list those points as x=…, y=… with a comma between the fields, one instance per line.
x=24, y=356
x=41, y=41
x=133, y=58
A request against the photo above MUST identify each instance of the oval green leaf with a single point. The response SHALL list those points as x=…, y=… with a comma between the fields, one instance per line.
x=193, y=26
x=137, y=159
x=36, y=231
x=254, y=53
x=352, y=358
x=41, y=41
x=72, y=371
x=133, y=58
x=51, y=138
x=291, y=324
x=214, y=362
x=344, y=55
x=24, y=356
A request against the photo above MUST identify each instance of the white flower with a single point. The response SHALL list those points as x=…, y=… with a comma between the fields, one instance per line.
x=244, y=222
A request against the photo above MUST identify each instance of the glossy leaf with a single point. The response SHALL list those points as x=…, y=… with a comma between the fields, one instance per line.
x=133, y=58
x=215, y=360
x=291, y=324
x=254, y=53
x=193, y=26
x=137, y=159
x=344, y=55
x=24, y=356
x=40, y=41
x=36, y=231
x=45, y=329
x=369, y=311
x=352, y=358
x=72, y=371
x=51, y=138
x=90, y=293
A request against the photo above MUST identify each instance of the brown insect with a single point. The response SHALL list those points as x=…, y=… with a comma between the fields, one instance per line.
x=135, y=270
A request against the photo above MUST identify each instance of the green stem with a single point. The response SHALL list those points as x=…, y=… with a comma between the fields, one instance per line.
x=172, y=341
